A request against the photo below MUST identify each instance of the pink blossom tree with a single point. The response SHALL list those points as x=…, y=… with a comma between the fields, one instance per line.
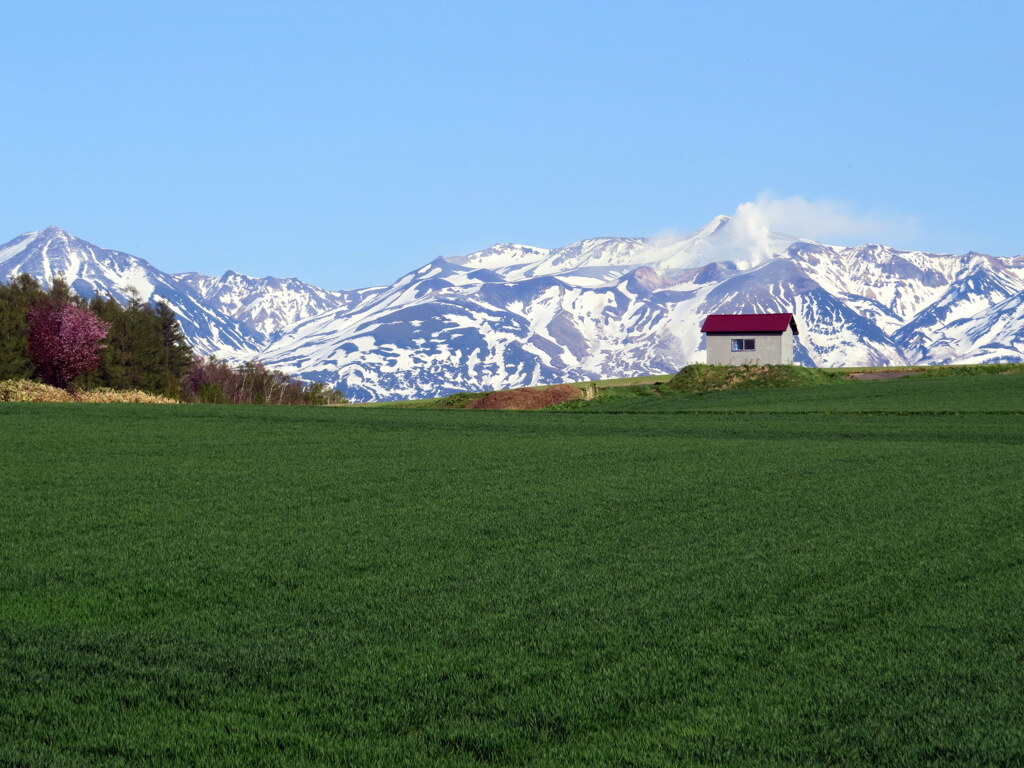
x=64, y=341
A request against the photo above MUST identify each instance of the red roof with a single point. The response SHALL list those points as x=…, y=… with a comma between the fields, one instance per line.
x=776, y=323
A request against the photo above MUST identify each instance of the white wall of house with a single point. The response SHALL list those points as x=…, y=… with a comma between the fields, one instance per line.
x=769, y=348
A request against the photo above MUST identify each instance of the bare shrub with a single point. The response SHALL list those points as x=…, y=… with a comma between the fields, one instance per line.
x=24, y=391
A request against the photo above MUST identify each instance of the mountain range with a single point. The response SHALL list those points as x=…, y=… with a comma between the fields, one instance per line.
x=515, y=315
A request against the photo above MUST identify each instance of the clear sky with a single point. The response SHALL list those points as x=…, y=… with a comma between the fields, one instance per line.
x=345, y=143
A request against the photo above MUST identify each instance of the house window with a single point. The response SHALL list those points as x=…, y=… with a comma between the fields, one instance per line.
x=738, y=345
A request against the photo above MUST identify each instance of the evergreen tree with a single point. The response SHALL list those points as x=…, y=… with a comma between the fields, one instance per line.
x=109, y=373
x=16, y=298
x=176, y=354
x=146, y=348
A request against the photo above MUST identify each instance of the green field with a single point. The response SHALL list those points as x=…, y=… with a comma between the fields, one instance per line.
x=813, y=576
x=997, y=393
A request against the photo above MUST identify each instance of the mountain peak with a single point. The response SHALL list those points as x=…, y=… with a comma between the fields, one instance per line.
x=500, y=255
x=716, y=225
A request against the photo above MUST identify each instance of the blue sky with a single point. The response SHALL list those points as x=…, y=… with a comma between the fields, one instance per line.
x=345, y=143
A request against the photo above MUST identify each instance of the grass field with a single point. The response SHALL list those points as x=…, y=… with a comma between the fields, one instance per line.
x=815, y=576
x=434, y=402
x=996, y=393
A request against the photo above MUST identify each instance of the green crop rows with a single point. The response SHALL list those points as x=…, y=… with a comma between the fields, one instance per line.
x=216, y=585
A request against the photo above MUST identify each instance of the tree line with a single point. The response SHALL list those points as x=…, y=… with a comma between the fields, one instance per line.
x=56, y=337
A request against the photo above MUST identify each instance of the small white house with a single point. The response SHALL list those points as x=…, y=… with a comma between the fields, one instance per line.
x=750, y=339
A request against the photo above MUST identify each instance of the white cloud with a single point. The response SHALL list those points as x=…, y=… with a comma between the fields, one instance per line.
x=826, y=221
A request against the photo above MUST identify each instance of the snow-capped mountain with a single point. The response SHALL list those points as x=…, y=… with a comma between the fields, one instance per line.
x=994, y=335
x=515, y=315
x=233, y=316
x=265, y=305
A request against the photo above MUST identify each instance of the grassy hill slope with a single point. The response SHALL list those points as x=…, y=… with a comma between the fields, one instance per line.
x=991, y=393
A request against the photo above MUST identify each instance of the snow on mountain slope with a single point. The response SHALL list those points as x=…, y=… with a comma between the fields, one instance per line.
x=459, y=334
x=52, y=251
x=514, y=315
x=901, y=282
x=981, y=283
x=994, y=335
x=232, y=316
x=831, y=334
x=605, y=259
x=89, y=270
x=501, y=256
x=451, y=337
x=266, y=305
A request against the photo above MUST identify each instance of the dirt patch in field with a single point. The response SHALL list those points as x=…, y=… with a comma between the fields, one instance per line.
x=880, y=375
x=527, y=399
